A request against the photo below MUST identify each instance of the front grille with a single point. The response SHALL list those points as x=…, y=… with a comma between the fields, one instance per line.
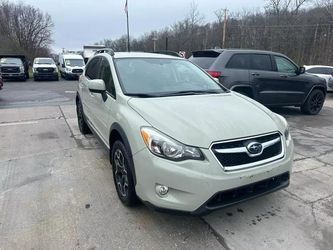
x=10, y=70
x=45, y=70
x=77, y=71
x=234, y=155
x=232, y=196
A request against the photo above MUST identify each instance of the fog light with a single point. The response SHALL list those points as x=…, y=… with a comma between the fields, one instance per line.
x=162, y=190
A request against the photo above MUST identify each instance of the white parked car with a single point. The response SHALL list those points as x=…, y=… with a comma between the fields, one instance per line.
x=71, y=66
x=177, y=139
x=322, y=71
x=45, y=69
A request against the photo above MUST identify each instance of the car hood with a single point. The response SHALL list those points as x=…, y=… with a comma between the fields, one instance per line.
x=11, y=65
x=44, y=66
x=199, y=120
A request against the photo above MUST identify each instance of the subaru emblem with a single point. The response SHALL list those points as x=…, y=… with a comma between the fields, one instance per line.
x=254, y=148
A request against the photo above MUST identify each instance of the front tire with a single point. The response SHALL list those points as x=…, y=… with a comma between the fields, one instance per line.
x=314, y=103
x=122, y=174
x=83, y=126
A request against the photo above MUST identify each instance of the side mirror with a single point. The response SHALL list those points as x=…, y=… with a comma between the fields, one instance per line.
x=63, y=65
x=301, y=70
x=58, y=63
x=97, y=86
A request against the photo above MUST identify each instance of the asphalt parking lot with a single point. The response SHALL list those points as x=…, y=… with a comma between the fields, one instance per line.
x=57, y=191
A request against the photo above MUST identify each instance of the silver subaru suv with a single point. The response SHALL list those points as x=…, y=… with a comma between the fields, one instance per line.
x=178, y=140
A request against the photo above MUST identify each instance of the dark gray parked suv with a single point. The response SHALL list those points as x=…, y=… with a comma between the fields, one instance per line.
x=270, y=78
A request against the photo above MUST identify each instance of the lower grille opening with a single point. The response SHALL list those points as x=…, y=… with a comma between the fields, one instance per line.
x=229, y=197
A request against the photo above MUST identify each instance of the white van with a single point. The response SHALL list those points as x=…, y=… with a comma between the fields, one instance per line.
x=71, y=66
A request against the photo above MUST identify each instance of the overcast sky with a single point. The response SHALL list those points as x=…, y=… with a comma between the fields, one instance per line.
x=84, y=22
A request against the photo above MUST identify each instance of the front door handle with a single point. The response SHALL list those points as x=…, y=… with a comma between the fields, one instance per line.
x=283, y=76
x=255, y=74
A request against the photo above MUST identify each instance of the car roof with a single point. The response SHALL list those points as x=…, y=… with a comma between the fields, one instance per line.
x=242, y=51
x=317, y=66
x=72, y=56
x=143, y=55
x=43, y=58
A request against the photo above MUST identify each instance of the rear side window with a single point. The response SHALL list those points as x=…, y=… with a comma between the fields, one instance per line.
x=261, y=62
x=204, y=59
x=320, y=70
x=239, y=61
x=93, y=68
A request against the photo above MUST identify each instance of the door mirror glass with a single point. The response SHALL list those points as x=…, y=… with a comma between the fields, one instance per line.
x=301, y=70
x=63, y=65
x=96, y=85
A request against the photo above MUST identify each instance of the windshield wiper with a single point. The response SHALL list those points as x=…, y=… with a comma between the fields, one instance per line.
x=193, y=92
x=142, y=95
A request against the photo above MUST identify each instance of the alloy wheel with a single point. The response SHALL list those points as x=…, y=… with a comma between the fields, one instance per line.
x=120, y=173
x=316, y=102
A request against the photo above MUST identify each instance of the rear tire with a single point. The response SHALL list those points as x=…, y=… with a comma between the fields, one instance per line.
x=122, y=174
x=314, y=103
x=83, y=126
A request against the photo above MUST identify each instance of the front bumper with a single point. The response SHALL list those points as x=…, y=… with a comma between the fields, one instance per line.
x=72, y=75
x=13, y=75
x=53, y=75
x=193, y=185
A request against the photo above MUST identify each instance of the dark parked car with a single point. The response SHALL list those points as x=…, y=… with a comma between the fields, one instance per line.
x=14, y=67
x=1, y=83
x=270, y=78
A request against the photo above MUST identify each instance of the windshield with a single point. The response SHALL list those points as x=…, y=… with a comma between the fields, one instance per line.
x=14, y=61
x=44, y=61
x=163, y=77
x=74, y=62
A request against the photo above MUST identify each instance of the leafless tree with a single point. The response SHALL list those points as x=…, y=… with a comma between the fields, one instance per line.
x=26, y=27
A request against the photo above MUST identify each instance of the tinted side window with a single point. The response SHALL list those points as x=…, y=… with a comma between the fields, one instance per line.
x=106, y=75
x=317, y=70
x=204, y=59
x=261, y=62
x=284, y=65
x=92, y=69
x=239, y=61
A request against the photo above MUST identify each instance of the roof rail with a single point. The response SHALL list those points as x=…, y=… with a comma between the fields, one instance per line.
x=105, y=50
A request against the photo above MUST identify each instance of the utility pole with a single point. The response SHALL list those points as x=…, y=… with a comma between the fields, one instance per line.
x=154, y=40
x=224, y=27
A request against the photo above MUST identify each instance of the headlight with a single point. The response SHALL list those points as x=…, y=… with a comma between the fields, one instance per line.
x=56, y=69
x=22, y=69
x=166, y=147
x=34, y=70
x=68, y=70
x=286, y=129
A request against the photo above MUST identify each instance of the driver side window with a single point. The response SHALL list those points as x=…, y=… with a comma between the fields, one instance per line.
x=284, y=65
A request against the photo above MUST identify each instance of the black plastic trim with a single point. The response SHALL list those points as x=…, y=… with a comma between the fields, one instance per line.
x=116, y=126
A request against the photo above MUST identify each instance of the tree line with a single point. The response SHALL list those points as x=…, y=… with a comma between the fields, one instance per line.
x=301, y=29
x=24, y=29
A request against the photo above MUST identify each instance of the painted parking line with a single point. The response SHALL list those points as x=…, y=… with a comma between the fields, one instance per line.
x=17, y=123
x=70, y=92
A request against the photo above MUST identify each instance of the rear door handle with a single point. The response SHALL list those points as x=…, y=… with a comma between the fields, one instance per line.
x=283, y=76
x=255, y=74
